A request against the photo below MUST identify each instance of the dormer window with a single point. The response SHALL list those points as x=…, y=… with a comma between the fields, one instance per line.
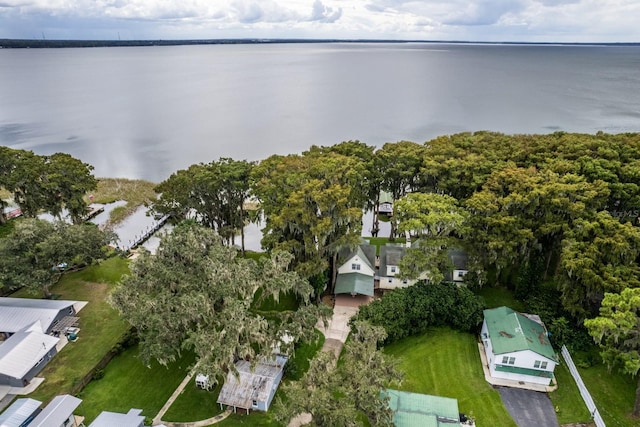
x=393, y=269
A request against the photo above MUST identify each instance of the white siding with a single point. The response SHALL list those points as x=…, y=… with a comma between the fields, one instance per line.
x=458, y=275
x=347, y=267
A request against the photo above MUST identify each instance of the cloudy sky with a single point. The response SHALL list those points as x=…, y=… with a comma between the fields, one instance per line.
x=473, y=20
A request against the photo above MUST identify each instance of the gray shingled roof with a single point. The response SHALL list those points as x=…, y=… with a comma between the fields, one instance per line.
x=390, y=254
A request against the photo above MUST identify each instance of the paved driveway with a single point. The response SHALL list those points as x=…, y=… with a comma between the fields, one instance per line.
x=529, y=408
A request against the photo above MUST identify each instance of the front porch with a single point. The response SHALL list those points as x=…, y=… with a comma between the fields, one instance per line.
x=512, y=383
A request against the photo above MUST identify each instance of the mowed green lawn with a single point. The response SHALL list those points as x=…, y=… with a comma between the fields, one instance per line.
x=445, y=362
x=128, y=383
x=100, y=326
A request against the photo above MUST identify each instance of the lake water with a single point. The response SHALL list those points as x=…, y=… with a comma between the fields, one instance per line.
x=144, y=112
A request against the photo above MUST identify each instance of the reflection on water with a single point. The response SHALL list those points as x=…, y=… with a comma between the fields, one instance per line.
x=103, y=217
x=367, y=224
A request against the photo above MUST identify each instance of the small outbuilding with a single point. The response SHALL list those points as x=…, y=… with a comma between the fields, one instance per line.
x=252, y=389
x=423, y=410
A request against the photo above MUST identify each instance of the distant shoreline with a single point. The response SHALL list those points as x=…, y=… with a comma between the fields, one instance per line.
x=34, y=43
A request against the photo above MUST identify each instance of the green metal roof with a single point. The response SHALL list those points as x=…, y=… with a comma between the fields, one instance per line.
x=354, y=283
x=524, y=371
x=386, y=197
x=510, y=331
x=421, y=410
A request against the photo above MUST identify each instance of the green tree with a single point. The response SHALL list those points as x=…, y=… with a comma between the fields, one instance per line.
x=196, y=294
x=617, y=331
x=399, y=164
x=598, y=255
x=344, y=394
x=37, y=253
x=434, y=219
x=312, y=206
x=67, y=181
x=215, y=192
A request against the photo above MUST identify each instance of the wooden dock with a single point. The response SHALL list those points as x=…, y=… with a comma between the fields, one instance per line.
x=145, y=234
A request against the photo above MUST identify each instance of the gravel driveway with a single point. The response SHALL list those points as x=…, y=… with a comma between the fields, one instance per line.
x=529, y=408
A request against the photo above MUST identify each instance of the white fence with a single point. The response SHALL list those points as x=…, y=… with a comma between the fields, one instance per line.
x=591, y=406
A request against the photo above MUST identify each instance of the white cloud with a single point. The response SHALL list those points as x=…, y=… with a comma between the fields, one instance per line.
x=491, y=20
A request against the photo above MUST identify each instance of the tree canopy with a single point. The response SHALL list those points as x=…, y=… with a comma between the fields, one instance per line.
x=36, y=253
x=346, y=394
x=196, y=294
x=46, y=183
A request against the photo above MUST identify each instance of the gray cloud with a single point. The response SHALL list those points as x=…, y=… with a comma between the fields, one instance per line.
x=484, y=12
x=324, y=13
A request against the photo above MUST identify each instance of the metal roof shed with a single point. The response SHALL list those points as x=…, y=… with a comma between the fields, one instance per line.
x=24, y=354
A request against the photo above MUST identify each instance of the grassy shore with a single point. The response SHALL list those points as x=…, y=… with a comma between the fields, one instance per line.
x=135, y=192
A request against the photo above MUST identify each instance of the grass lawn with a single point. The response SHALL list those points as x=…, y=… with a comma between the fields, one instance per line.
x=613, y=393
x=498, y=297
x=194, y=404
x=445, y=362
x=254, y=419
x=567, y=400
x=101, y=326
x=302, y=357
x=7, y=228
x=128, y=383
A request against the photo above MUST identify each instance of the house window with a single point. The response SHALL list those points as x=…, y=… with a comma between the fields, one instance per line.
x=254, y=403
x=393, y=269
x=355, y=267
x=505, y=360
x=460, y=273
x=512, y=360
x=543, y=365
x=390, y=280
x=536, y=364
x=405, y=281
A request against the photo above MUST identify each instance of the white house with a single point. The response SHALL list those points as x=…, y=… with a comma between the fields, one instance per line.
x=459, y=261
x=356, y=274
x=58, y=413
x=133, y=418
x=252, y=388
x=517, y=346
x=390, y=256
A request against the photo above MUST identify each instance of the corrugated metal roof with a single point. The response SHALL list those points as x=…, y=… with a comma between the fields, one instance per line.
x=113, y=419
x=22, y=350
x=18, y=313
x=354, y=283
x=56, y=412
x=19, y=412
x=510, y=331
x=421, y=410
x=250, y=385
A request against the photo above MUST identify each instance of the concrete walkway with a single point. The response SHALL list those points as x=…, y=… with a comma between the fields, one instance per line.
x=335, y=334
x=157, y=420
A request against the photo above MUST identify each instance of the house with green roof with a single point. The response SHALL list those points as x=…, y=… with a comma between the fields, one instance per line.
x=423, y=410
x=356, y=274
x=517, y=346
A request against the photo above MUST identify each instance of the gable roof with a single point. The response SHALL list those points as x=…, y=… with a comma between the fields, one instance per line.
x=56, y=412
x=354, y=283
x=391, y=254
x=111, y=419
x=458, y=258
x=511, y=331
x=22, y=350
x=19, y=412
x=365, y=251
x=18, y=313
x=422, y=410
x=250, y=384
